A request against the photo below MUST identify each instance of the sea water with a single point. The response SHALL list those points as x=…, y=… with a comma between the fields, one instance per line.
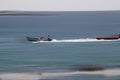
x=73, y=46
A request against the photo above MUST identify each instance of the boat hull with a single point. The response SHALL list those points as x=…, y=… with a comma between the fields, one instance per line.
x=109, y=38
x=38, y=39
x=32, y=39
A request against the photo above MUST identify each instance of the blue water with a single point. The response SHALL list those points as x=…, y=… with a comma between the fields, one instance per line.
x=19, y=55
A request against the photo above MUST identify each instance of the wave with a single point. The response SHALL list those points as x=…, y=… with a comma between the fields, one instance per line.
x=73, y=40
x=47, y=75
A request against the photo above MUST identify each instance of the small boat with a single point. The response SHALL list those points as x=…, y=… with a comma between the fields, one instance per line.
x=38, y=39
x=109, y=37
x=31, y=39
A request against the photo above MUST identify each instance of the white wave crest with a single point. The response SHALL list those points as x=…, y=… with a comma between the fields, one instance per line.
x=19, y=76
x=47, y=75
x=107, y=73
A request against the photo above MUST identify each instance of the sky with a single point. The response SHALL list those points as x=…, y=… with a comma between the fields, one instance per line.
x=60, y=5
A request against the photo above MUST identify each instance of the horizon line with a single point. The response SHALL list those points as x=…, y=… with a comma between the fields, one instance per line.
x=55, y=10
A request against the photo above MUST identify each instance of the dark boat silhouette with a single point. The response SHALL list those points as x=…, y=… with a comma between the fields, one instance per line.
x=114, y=37
x=31, y=39
x=38, y=39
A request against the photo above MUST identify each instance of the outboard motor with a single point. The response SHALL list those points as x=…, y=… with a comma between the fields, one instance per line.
x=49, y=39
x=119, y=35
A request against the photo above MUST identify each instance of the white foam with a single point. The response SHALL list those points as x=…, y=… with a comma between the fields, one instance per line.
x=112, y=72
x=19, y=76
x=47, y=75
x=73, y=40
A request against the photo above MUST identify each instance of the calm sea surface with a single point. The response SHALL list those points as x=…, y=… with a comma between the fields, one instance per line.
x=76, y=46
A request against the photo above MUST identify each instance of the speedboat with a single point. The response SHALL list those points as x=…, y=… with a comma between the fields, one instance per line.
x=114, y=37
x=38, y=39
x=31, y=39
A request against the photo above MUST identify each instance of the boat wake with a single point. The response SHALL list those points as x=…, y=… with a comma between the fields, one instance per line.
x=48, y=75
x=74, y=40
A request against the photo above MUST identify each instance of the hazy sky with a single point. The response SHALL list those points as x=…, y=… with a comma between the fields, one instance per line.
x=59, y=5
